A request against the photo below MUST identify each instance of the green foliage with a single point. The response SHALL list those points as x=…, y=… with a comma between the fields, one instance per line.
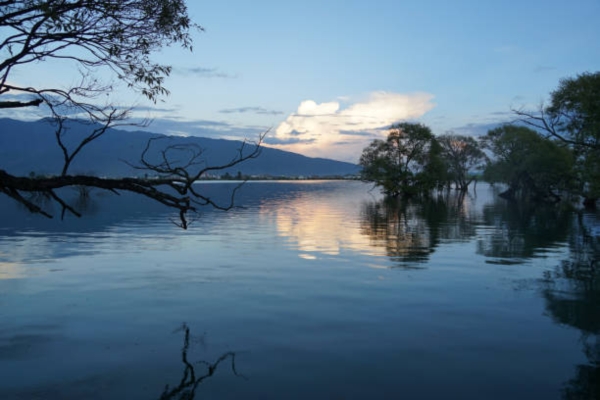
x=532, y=166
x=399, y=165
x=116, y=35
x=104, y=42
x=461, y=155
x=435, y=174
x=575, y=106
x=573, y=117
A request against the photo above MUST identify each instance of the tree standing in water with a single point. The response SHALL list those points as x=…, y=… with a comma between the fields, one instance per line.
x=399, y=164
x=573, y=118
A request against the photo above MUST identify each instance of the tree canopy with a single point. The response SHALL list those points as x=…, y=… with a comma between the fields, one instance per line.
x=115, y=35
x=532, y=166
x=402, y=164
x=573, y=118
x=462, y=154
x=99, y=38
x=573, y=113
x=549, y=155
x=414, y=161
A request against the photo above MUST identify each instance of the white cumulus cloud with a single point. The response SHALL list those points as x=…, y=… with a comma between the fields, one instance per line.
x=328, y=130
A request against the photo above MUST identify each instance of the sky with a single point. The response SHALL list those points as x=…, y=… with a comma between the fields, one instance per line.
x=325, y=78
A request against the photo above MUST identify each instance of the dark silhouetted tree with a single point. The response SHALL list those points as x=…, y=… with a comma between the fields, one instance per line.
x=115, y=39
x=461, y=154
x=532, y=166
x=397, y=164
x=573, y=117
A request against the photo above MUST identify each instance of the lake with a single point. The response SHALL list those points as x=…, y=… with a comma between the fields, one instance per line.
x=315, y=289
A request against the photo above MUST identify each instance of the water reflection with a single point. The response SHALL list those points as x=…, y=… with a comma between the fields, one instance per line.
x=516, y=232
x=312, y=216
x=572, y=295
x=305, y=321
x=409, y=231
x=17, y=345
x=9, y=270
x=190, y=380
x=110, y=222
x=315, y=221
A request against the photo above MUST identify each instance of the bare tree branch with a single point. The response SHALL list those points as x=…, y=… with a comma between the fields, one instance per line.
x=551, y=125
x=118, y=36
x=20, y=104
x=174, y=186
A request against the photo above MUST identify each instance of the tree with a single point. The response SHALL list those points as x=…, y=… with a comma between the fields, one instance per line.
x=532, y=166
x=462, y=154
x=435, y=174
x=114, y=38
x=573, y=117
x=397, y=164
x=94, y=34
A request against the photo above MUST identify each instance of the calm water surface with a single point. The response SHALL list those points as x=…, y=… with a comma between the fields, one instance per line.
x=310, y=290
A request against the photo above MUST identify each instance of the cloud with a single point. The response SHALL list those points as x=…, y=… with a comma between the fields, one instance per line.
x=256, y=110
x=152, y=109
x=482, y=128
x=202, y=128
x=34, y=113
x=483, y=123
x=356, y=133
x=203, y=72
x=275, y=141
x=476, y=129
x=31, y=113
x=327, y=130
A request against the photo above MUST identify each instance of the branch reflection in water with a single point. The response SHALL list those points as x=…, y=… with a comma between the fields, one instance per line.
x=572, y=295
x=516, y=232
x=186, y=389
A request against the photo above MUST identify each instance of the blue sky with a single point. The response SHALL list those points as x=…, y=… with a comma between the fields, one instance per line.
x=327, y=77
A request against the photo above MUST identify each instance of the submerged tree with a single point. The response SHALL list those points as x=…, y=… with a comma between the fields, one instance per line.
x=533, y=167
x=114, y=38
x=462, y=154
x=573, y=117
x=397, y=164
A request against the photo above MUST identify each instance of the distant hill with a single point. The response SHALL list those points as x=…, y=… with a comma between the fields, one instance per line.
x=27, y=147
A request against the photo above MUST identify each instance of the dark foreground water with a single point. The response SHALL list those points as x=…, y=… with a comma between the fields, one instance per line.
x=312, y=290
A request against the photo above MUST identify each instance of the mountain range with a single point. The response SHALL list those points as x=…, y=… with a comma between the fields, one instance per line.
x=28, y=147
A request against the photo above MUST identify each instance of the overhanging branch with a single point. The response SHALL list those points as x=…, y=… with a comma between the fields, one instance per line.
x=20, y=104
x=174, y=186
x=550, y=125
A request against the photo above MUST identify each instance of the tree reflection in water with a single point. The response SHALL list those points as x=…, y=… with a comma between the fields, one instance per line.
x=411, y=230
x=516, y=232
x=508, y=233
x=572, y=294
x=186, y=389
